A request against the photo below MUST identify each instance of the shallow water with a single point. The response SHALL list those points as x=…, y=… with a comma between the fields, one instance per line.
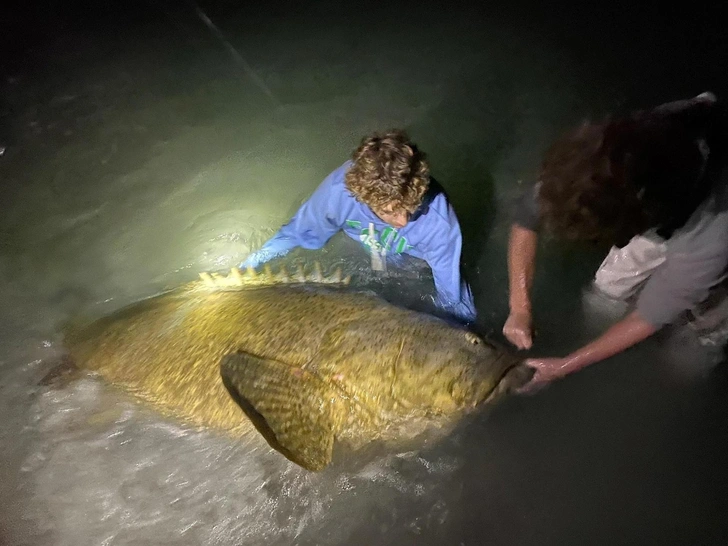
x=141, y=150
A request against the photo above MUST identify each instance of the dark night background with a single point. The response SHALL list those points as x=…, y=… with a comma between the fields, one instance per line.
x=141, y=147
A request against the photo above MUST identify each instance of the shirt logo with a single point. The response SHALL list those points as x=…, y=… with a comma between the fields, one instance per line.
x=387, y=239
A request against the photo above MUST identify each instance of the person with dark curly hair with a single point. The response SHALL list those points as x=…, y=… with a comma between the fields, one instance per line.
x=385, y=198
x=654, y=185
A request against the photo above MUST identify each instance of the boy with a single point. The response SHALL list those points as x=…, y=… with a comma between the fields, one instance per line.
x=383, y=197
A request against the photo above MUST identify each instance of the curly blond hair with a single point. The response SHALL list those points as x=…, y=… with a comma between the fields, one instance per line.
x=388, y=171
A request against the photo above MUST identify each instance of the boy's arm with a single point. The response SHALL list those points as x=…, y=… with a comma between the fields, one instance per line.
x=443, y=257
x=315, y=222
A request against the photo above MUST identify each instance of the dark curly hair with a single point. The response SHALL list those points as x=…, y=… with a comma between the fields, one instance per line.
x=388, y=170
x=612, y=180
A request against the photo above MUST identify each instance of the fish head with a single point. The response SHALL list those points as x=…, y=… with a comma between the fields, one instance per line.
x=461, y=370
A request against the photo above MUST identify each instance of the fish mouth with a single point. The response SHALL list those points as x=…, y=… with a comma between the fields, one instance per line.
x=514, y=377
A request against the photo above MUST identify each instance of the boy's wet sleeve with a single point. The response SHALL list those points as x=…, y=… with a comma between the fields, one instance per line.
x=315, y=222
x=443, y=256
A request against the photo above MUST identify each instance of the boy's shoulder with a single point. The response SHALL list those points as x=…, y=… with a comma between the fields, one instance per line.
x=435, y=206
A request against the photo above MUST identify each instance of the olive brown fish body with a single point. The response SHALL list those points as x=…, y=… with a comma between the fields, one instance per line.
x=314, y=363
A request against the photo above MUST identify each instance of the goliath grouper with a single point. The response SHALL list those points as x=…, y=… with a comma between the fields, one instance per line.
x=305, y=362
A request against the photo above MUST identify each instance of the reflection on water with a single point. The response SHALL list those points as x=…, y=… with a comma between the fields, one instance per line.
x=136, y=155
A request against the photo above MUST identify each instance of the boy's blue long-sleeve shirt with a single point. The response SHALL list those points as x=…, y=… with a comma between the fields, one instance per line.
x=432, y=234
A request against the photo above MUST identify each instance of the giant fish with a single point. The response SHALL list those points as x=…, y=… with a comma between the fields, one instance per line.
x=305, y=363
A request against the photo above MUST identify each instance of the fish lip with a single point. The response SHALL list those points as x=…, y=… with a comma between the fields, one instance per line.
x=502, y=388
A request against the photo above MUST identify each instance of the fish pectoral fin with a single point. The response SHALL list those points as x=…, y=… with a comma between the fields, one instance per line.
x=292, y=408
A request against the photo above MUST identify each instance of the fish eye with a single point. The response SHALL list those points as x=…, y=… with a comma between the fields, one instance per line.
x=472, y=338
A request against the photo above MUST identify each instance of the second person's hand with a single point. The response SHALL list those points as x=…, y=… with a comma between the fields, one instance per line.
x=518, y=330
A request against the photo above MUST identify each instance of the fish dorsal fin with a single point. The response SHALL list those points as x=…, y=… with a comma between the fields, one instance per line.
x=294, y=410
x=250, y=277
